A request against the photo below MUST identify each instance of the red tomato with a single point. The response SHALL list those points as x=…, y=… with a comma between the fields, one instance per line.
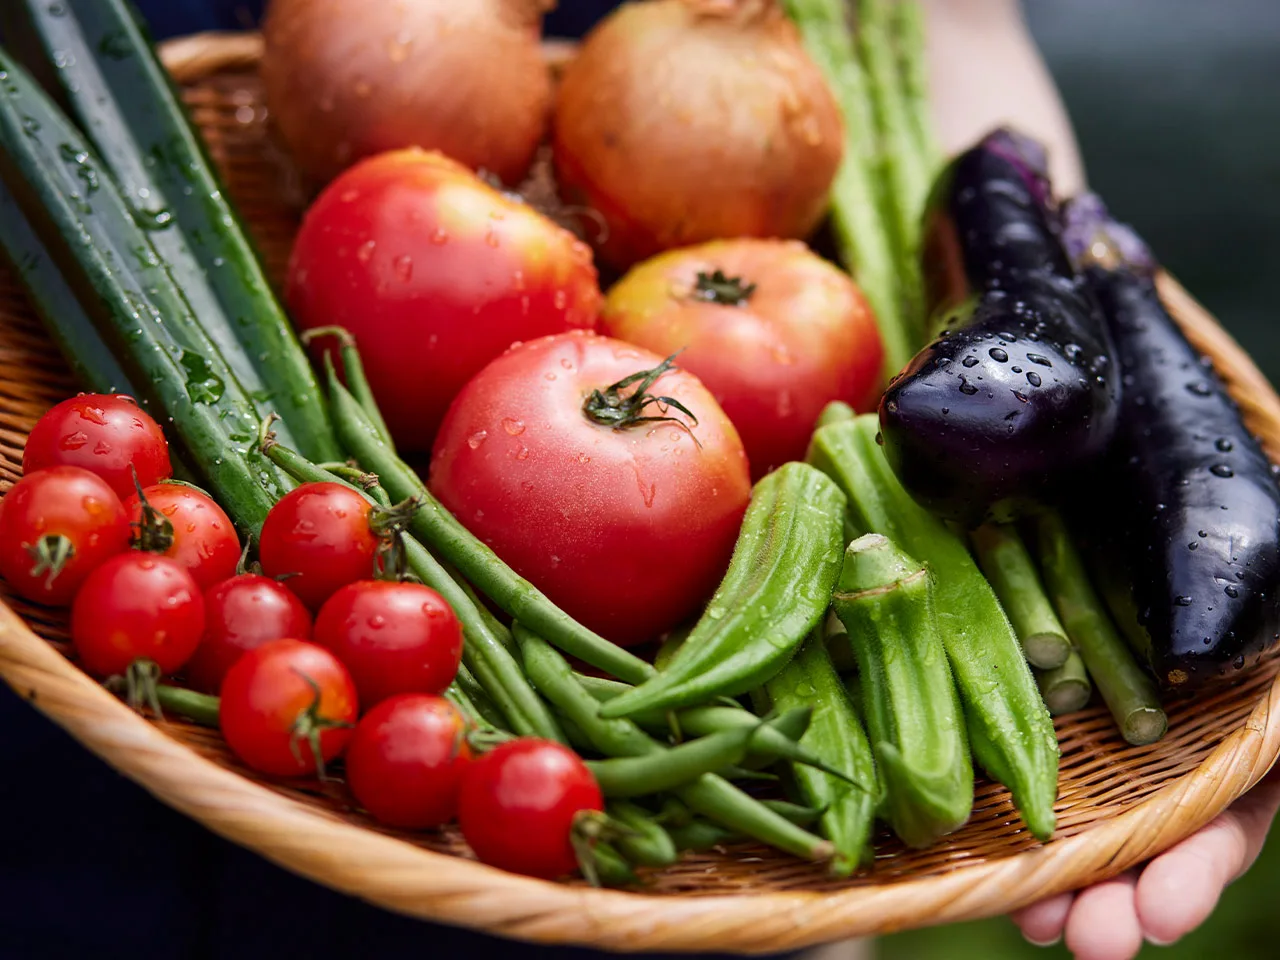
x=56, y=526
x=519, y=802
x=435, y=273
x=282, y=701
x=204, y=539
x=627, y=529
x=136, y=606
x=318, y=538
x=104, y=433
x=241, y=614
x=393, y=637
x=776, y=337
x=405, y=760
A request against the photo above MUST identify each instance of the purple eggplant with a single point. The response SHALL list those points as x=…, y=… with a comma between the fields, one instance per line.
x=1018, y=388
x=1183, y=516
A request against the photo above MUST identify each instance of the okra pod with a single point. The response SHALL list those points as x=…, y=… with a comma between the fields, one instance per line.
x=1128, y=691
x=1009, y=727
x=777, y=587
x=837, y=737
x=913, y=715
x=1012, y=574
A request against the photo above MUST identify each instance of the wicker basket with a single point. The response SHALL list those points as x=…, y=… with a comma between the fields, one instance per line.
x=1118, y=806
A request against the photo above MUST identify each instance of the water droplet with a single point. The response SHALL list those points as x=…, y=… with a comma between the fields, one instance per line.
x=1033, y=378
x=365, y=251
x=439, y=237
x=348, y=196
x=584, y=459
x=74, y=441
x=970, y=361
x=377, y=621
x=1021, y=396
x=1231, y=591
x=998, y=355
x=398, y=48
x=967, y=388
x=1222, y=470
x=403, y=267
x=1199, y=388
x=1223, y=444
x=521, y=453
x=512, y=426
x=716, y=612
x=549, y=375
x=566, y=363
x=1193, y=545
x=1183, y=601
x=491, y=238
x=559, y=299
x=1039, y=360
x=477, y=438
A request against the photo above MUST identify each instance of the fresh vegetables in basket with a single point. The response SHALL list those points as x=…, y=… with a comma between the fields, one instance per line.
x=484, y=637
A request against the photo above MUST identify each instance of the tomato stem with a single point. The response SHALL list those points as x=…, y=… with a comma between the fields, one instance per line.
x=390, y=562
x=310, y=724
x=141, y=679
x=49, y=556
x=717, y=287
x=589, y=828
x=153, y=533
x=610, y=407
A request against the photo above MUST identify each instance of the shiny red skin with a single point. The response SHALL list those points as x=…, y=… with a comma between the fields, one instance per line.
x=66, y=501
x=629, y=531
x=518, y=804
x=241, y=614
x=266, y=691
x=804, y=337
x=393, y=637
x=137, y=606
x=435, y=273
x=406, y=758
x=105, y=434
x=317, y=538
x=204, y=538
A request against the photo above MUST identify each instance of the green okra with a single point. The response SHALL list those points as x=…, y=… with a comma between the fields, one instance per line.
x=1012, y=574
x=909, y=700
x=1009, y=727
x=836, y=736
x=777, y=587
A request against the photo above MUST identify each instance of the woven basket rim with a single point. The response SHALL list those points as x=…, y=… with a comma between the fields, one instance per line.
x=400, y=876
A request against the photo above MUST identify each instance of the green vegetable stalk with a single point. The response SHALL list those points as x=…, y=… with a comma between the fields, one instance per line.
x=1126, y=688
x=1065, y=688
x=836, y=736
x=1009, y=728
x=1012, y=574
x=885, y=600
x=777, y=587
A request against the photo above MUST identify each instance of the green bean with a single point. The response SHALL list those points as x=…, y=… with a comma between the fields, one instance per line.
x=199, y=708
x=643, y=776
x=1065, y=688
x=353, y=367
x=608, y=868
x=483, y=710
x=797, y=813
x=439, y=529
x=701, y=835
x=1012, y=574
x=709, y=795
x=646, y=843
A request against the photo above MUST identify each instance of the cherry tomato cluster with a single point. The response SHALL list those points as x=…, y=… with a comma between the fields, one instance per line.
x=313, y=658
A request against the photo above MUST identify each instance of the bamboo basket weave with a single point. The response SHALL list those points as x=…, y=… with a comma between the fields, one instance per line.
x=1118, y=805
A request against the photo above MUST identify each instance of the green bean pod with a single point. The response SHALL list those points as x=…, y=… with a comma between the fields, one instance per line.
x=645, y=843
x=885, y=600
x=777, y=587
x=1009, y=727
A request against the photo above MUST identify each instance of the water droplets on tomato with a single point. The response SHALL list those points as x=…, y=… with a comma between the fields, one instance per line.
x=74, y=441
x=560, y=299
x=517, y=280
x=491, y=239
x=513, y=426
x=549, y=376
x=521, y=452
x=439, y=236
x=365, y=251
x=403, y=267
x=566, y=363
x=477, y=438
x=583, y=459
x=348, y=196
x=377, y=621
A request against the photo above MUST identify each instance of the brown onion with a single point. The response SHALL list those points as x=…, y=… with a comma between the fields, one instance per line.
x=689, y=120
x=346, y=79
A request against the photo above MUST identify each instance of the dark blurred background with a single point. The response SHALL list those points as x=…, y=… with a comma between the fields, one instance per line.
x=1176, y=104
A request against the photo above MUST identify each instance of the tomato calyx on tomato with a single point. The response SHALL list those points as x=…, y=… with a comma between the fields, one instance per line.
x=718, y=287
x=611, y=407
x=310, y=723
x=139, y=683
x=589, y=828
x=50, y=555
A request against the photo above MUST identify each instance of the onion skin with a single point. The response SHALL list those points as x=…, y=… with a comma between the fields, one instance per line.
x=344, y=80
x=682, y=121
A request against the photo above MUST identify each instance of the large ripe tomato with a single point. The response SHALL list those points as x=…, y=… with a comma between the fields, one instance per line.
x=201, y=536
x=519, y=804
x=56, y=526
x=242, y=614
x=319, y=537
x=772, y=329
x=393, y=637
x=406, y=758
x=436, y=273
x=287, y=708
x=105, y=434
x=627, y=528
x=136, y=606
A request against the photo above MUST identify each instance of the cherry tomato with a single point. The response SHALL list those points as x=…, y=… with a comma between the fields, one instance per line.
x=435, y=273
x=627, y=528
x=241, y=614
x=519, y=802
x=405, y=760
x=393, y=637
x=56, y=526
x=774, y=332
x=137, y=606
x=105, y=434
x=318, y=538
x=204, y=539
x=282, y=701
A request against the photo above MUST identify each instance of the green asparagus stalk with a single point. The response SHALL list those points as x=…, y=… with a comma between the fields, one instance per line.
x=1127, y=690
x=1012, y=574
x=909, y=700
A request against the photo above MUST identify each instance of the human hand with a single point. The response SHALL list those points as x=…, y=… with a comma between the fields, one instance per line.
x=1165, y=899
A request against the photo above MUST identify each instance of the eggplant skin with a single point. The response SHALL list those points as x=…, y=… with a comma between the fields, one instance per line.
x=1018, y=389
x=1187, y=504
